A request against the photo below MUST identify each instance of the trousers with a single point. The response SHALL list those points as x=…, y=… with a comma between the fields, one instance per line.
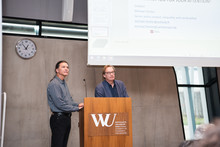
x=60, y=127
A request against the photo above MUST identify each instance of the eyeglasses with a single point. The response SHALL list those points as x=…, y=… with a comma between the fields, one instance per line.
x=108, y=73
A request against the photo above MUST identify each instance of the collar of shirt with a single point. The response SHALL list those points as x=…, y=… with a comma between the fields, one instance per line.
x=61, y=81
x=110, y=84
x=113, y=89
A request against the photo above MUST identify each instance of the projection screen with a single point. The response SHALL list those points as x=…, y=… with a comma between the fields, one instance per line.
x=154, y=32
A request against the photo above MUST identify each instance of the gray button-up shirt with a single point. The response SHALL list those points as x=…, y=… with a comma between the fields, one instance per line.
x=59, y=98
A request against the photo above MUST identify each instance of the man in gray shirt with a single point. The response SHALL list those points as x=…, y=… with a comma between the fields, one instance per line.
x=61, y=105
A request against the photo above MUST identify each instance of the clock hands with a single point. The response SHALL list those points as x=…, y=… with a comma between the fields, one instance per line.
x=25, y=46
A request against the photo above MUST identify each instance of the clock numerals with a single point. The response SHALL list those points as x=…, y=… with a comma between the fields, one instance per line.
x=26, y=48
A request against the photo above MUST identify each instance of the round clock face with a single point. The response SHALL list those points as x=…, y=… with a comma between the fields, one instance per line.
x=26, y=48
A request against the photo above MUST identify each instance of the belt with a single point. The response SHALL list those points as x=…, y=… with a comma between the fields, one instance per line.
x=62, y=114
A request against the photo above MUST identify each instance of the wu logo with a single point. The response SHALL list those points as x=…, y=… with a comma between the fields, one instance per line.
x=104, y=122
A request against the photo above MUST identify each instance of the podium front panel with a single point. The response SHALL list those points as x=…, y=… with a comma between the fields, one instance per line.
x=107, y=122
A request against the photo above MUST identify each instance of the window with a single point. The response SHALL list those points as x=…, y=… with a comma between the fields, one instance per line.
x=21, y=27
x=17, y=26
x=192, y=96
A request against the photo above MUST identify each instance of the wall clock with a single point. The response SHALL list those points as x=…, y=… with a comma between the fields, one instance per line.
x=26, y=48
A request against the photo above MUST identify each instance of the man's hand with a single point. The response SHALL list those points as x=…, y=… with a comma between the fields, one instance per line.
x=81, y=105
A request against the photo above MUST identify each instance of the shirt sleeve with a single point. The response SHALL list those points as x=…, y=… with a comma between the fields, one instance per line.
x=75, y=104
x=125, y=94
x=60, y=101
x=123, y=91
x=99, y=92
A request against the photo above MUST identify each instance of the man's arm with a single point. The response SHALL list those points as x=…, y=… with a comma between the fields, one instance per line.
x=125, y=94
x=59, y=101
x=99, y=92
x=122, y=89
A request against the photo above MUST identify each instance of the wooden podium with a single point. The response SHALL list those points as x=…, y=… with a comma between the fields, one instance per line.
x=106, y=122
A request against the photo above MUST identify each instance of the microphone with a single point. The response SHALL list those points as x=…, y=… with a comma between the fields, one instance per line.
x=85, y=87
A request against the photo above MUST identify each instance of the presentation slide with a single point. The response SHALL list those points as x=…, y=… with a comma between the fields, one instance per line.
x=154, y=32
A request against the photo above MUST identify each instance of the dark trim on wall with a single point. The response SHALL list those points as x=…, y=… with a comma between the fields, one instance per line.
x=44, y=20
x=45, y=37
x=212, y=92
